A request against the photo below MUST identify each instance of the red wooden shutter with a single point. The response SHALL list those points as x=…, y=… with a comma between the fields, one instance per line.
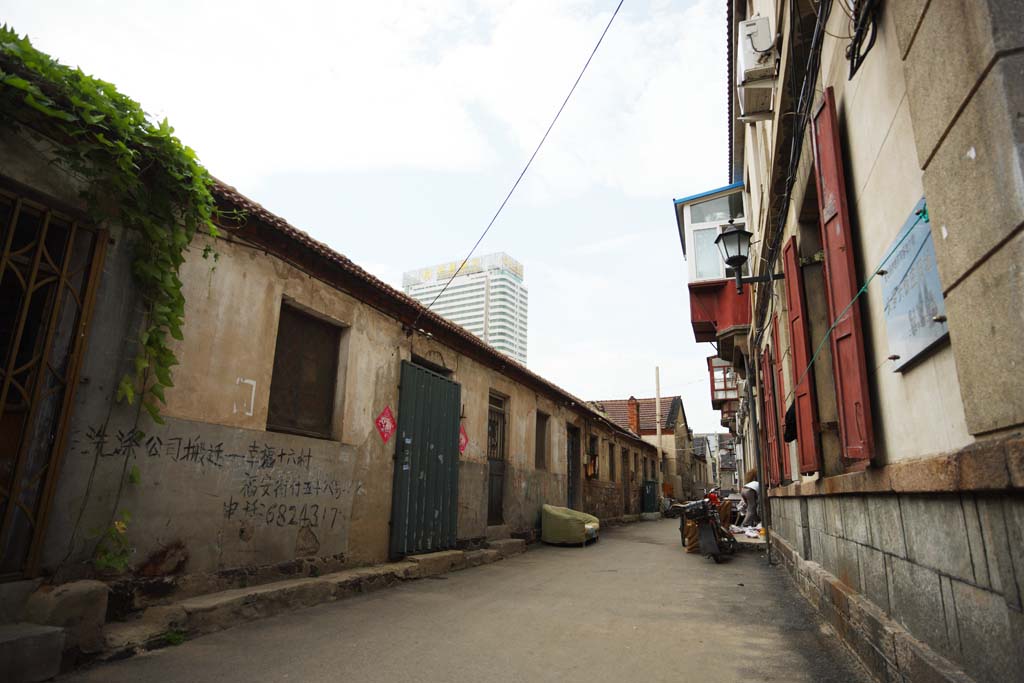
x=771, y=454
x=847, y=340
x=807, y=444
x=780, y=404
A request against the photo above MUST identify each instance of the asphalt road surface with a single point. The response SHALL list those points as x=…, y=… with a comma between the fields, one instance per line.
x=632, y=607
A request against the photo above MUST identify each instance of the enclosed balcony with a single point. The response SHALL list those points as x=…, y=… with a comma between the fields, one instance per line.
x=717, y=312
x=724, y=384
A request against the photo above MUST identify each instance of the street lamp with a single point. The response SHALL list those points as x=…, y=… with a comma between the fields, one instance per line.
x=733, y=244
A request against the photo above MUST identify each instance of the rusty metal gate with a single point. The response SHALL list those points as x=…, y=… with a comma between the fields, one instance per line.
x=49, y=266
x=425, y=495
x=496, y=461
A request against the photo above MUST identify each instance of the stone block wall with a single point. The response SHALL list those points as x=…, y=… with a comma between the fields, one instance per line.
x=940, y=575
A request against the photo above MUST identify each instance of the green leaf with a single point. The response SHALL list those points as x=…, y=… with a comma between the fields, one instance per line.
x=158, y=391
x=163, y=374
x=134, y=476
x=126, y=390
x=154, y=412
x=31, y=101
x=22, y=84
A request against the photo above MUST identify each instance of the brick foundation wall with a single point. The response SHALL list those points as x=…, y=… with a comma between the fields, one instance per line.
x=603, y=499
x=904, y=577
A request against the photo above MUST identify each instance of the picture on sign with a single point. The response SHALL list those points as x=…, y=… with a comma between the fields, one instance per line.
x=385, y=424
x=915, y=312
x=463, y=439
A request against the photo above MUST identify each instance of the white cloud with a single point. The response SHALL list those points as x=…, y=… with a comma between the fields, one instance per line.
x=312, y=90
x=360, y=86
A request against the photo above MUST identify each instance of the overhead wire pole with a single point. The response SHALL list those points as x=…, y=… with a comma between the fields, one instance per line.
x=521, y=173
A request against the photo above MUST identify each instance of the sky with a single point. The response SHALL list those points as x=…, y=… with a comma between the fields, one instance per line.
x=392, y=131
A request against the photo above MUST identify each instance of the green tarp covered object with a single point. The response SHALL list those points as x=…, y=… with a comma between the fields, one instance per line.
x=564, y=525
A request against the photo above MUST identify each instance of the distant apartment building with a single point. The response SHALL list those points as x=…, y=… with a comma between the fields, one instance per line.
x=488, y=298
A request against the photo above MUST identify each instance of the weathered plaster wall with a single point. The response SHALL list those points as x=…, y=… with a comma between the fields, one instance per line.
x=918, y=411
x=224, y=492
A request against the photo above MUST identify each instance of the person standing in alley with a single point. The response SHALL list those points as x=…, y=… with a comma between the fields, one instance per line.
x=749, y=494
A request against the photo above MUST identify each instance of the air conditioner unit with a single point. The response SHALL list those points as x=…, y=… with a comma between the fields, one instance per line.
x=757, y=61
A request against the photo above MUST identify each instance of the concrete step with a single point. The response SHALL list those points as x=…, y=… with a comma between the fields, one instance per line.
x=432, y=564
x=30, y=652
x=498, y=532
x=170, y=624
x=507, y=547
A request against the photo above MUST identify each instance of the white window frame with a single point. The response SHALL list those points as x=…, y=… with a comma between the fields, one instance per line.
x=691, y=228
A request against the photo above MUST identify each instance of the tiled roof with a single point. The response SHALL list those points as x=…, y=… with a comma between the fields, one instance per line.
x=618, y=411
x=391, y=300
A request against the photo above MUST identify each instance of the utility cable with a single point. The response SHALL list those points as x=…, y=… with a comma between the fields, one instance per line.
x=525, y=168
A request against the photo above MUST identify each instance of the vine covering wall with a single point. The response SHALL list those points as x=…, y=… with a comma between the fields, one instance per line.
x=135, y=171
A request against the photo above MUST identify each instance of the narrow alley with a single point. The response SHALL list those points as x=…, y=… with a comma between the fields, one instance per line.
x=316, y=345
x=633, y=606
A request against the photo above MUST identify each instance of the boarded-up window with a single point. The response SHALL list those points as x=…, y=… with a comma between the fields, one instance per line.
x=541, y=448
x=302, y=388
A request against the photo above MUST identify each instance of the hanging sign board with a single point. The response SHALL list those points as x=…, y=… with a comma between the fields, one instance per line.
x=915, y=312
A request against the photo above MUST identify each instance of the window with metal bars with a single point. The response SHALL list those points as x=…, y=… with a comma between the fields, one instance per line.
x=50, y=265
x=496, y=428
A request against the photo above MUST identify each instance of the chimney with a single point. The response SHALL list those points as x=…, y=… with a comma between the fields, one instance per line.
x=633, y=410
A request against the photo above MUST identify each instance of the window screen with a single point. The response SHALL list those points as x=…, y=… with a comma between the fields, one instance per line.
x=305, y=374
x=707, y=259
x=718, y=209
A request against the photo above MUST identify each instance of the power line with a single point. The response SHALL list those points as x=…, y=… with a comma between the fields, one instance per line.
x=525, y=168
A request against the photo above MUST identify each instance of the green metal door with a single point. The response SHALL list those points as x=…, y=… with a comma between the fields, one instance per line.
x=424, y=501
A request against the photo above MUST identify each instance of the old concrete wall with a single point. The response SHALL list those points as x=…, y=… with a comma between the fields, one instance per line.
x=213, y=489
x=945, y=567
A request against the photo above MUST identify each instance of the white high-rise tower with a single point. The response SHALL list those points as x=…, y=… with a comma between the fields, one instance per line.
x=488, y=298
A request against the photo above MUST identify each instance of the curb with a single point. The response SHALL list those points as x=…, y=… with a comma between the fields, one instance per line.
x=164, y=625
